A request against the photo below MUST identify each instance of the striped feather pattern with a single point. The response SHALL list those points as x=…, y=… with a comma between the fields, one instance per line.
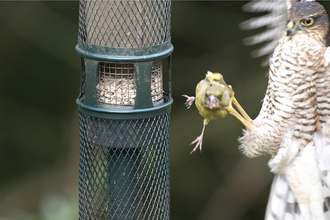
x=323, y=90
x=294, y=123
x=275, y=21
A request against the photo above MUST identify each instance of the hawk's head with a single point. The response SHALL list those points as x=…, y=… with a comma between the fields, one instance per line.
x=309, y=17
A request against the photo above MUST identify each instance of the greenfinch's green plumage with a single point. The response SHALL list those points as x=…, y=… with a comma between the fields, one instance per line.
x=213, y=100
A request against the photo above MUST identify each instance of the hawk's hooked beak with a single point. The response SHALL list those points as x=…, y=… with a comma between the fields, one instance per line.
x=291, y=28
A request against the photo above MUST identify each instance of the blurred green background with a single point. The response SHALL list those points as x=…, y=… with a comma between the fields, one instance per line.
x=39, y=138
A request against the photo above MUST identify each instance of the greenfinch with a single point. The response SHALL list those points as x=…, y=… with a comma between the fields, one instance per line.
x=214, y=100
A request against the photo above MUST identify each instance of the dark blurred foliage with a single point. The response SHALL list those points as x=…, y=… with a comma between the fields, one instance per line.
x=39, y=82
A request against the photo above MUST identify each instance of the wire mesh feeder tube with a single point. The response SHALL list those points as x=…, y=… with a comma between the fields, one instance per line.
x=126, y=181
x=124, y=110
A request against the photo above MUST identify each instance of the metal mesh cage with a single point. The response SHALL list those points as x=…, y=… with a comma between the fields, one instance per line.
x=82, y=81
x=124, y=168
x=116, y=84
x=124, y=114
x=157, y=82
x=124, y=23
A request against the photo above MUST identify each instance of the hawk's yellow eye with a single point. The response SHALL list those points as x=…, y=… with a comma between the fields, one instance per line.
x=307, y=21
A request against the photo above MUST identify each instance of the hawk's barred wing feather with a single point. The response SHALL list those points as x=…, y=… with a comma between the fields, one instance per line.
x=266, y=49
x=274, y=21
x=260, y=6
x=267, y=35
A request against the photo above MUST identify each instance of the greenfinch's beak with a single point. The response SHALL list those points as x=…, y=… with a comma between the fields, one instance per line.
x=291, y=28
x=213, y=102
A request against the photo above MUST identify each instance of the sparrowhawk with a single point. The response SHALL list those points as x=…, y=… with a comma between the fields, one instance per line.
x=293, y=125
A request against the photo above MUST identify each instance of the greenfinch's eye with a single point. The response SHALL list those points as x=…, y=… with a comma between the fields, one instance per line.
x=307, y=21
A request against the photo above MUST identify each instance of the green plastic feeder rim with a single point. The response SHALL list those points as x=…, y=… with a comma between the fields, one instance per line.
x=120, y=54
x=125, y=114
x=142, y=58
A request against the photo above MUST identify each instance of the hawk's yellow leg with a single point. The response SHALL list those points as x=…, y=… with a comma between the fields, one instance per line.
x=246, y=120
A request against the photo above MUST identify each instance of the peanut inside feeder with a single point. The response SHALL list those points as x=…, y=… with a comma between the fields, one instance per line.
x=116, y=84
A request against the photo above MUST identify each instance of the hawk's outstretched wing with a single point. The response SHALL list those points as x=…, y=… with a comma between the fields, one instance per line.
x=275, y=23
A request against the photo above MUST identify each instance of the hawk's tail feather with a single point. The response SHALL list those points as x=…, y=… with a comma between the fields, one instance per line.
x=322, y=154
x=281, y=203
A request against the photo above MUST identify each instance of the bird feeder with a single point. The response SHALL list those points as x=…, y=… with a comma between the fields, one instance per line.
x=124, y=112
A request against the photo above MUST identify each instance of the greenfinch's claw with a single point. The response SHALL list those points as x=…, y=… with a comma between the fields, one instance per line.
x=190, y=101
x=199, y=141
